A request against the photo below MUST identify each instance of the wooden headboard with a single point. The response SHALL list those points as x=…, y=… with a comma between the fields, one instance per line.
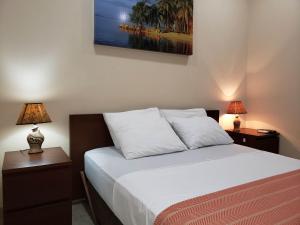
x=89, y=132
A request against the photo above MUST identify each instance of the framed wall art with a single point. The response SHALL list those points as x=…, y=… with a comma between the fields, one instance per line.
x=155, y=25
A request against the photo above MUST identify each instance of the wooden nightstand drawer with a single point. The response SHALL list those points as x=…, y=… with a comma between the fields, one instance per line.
x=268, y=144
x=52, y=214
x=36, y=188
x=243, y=140
x=251, y=138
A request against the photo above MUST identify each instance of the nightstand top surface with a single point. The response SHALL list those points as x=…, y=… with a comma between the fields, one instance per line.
x=252, y=132
x=20, y=160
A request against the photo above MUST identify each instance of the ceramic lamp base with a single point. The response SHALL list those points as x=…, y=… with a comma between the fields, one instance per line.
x=35, y=140
x=236, y=124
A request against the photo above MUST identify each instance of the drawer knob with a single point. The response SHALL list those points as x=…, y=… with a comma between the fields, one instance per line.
x=244, y=140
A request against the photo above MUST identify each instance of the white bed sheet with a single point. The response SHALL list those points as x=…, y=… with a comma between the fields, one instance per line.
x=138, y=190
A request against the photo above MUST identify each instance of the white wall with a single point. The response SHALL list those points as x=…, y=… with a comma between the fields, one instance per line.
x=273, y=73
x=47, y=54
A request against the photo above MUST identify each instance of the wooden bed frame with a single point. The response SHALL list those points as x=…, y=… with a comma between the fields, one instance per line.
x=89, y=132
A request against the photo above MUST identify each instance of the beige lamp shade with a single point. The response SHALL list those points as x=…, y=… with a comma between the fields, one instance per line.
x=33, y=113
x=236, y=107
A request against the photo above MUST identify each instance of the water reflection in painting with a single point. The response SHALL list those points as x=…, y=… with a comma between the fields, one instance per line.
x=155, y=25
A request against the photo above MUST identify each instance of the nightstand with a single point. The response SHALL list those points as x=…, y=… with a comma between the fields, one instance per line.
x=251, y=138
x=37, y=188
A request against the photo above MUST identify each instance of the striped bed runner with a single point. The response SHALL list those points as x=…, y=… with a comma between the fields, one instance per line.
x=274, y=201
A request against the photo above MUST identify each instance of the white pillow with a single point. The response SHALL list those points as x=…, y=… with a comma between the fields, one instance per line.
x=197, y=132
x=170, y=114
x=140, y=136
x=119, y=117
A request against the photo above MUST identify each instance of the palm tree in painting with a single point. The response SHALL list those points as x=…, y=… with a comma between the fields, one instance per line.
x=185, y=15
x=172, y=15
x=140, y=13
x=166, y=9
x=153, y=17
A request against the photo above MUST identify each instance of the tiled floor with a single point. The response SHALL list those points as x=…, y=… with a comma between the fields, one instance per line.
x=80, y=215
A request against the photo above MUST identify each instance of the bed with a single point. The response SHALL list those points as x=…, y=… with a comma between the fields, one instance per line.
x=136, y=192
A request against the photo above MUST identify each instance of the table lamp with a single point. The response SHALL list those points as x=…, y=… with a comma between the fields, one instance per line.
x=236, y=108
x=34, y=113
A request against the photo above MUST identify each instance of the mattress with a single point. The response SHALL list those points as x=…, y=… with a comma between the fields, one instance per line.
x=138, y=190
